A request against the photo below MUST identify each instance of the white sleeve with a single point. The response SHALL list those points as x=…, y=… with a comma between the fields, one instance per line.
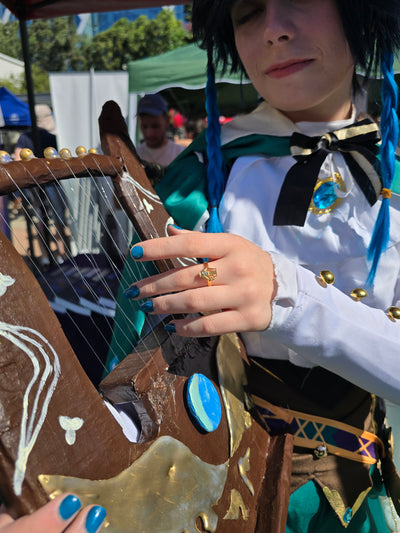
x=328, y=328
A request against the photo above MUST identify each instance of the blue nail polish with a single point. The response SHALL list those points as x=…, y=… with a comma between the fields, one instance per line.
x=175, y=226
x=95, y=518
x=137, y=252
x=147, y=307
x=131, y=292
x=69, y=506
x=170, y=328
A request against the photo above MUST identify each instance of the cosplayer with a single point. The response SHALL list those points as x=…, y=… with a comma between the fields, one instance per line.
x=301, y=258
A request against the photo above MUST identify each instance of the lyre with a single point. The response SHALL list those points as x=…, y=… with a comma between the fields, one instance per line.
x=57, y=434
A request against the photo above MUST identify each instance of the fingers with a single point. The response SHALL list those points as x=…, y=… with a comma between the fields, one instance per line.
x=89, y=520
x=234, y=290
x=179, y=279
x=182, y=244
x=214, y=324
x=63, y=514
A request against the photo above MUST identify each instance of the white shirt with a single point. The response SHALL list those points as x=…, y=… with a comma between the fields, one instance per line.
x=163, y=155
x=311, y=324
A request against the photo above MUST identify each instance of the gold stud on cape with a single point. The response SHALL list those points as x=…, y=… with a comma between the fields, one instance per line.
x=358, y=294
x=326, y=278
x=393, y=313
x=92, y=151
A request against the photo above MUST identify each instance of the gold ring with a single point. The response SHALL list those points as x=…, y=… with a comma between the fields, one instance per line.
x=208, y=273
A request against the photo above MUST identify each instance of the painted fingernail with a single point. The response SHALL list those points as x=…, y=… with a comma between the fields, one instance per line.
x=69, y=506
x=170, y=328
x=137, y=252
x=95, y=518
x=147, y=307
x=175, y=226
x=131, y=292
x=203, y=260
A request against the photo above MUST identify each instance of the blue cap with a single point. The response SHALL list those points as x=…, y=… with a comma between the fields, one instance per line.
x=152, y=104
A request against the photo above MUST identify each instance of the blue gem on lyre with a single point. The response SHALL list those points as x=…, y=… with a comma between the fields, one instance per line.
x=203, y=402
x=325, y=196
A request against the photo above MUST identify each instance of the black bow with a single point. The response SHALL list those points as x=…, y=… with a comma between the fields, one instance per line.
x=357, y=144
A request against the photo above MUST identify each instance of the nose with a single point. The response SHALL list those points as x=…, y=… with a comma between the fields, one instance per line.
x=278, y=25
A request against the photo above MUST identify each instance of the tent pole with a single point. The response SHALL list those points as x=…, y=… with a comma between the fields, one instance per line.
x=35, y=136
x=29, y=82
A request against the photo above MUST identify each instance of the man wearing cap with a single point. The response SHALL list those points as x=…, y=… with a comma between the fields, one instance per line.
x=154, y=122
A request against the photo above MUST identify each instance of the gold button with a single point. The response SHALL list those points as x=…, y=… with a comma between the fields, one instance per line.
x=358, y=294
x=393, y=313
x=326, y=278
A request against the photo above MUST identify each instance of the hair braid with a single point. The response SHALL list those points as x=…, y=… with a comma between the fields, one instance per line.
x=215, y=175
x=390, y=135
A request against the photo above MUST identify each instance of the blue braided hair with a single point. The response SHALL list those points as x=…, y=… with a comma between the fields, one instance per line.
x=390, y=136
x=215, y=175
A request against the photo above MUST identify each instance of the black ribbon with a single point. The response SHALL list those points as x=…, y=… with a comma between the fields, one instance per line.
x=357, y=144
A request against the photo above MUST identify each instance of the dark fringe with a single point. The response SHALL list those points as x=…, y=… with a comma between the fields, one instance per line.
x=371, y=26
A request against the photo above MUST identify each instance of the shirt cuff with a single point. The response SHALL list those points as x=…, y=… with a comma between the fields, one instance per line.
x=286, y=296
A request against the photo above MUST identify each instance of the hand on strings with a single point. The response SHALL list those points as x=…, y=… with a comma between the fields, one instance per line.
x=63, y=514
x=238, y=299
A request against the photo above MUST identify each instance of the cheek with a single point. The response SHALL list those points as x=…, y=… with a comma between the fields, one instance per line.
x=244, y=48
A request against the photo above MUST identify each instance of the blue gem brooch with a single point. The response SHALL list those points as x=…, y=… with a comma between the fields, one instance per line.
x=325, y=196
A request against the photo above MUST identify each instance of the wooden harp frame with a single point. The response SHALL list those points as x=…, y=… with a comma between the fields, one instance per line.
x=254, y=495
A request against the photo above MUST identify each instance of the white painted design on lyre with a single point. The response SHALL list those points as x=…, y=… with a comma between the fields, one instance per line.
x=33, y=414
x=148, y=206
x=5, y=282
x=150, y=195
x=71, y=426
x=184, y=261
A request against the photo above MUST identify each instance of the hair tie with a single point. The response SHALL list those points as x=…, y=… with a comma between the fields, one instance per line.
x=386, y=193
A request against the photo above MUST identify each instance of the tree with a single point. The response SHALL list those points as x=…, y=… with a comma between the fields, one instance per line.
x=55, y=46
x=126, y=41
x=10, y=41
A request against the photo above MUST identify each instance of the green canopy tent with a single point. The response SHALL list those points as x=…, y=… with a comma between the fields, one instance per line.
x=180, y=76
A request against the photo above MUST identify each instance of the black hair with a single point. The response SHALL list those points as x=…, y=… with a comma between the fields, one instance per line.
x=370, y=26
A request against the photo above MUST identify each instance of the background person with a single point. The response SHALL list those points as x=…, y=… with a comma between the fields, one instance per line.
x=154, y=121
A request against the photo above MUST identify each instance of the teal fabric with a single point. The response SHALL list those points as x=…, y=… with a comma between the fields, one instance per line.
x=129, y=319
x=310, y=512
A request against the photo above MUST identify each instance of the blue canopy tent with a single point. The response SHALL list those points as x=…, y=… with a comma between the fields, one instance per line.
x=13, y=111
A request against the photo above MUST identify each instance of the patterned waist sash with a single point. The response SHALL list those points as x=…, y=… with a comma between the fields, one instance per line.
x=322, y=434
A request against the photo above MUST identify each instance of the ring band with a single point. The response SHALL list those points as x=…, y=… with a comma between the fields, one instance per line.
x=208, y=273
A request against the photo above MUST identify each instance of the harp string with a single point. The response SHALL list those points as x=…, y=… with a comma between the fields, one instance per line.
x=110, y=204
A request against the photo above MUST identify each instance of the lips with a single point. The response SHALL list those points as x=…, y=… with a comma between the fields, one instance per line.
x=281, y=70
